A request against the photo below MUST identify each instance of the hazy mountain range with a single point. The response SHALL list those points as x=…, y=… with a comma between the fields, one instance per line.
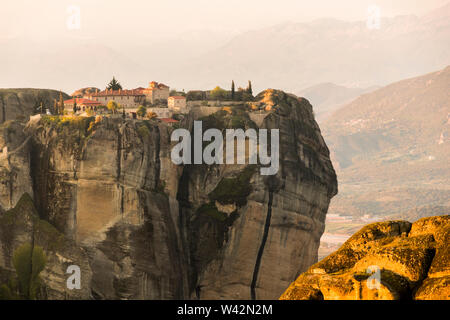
x=391, y=147
x=289, y=56
x=328, y=97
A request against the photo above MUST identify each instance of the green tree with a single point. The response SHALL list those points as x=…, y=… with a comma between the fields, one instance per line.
x=60, y=104
x=113, y=106
x=74, y=105
x=218, y=93
x=29, y=261
x=114, y=84
x=232, y=90
x=141, y=111
x=6, y=293
x=249, y=88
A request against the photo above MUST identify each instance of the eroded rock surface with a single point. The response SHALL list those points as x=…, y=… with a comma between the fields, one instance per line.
x=22, y=225
x=413, y=260
x=275, y=229
x=15, y=178
x=154, y=230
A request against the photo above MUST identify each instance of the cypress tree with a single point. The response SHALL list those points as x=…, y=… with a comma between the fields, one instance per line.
x=61, y=104
x=232, y=90
x=74, y=105
x=249, y=88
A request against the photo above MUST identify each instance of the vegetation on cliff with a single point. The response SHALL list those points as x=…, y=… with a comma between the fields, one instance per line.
x=234, y=190
x=71, y=132
x=28, y=259
x=19, y=104
x=32, y=247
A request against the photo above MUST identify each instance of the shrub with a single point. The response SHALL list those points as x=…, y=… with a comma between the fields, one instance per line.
x=141, y=111
x=211, y=210
x=5, y=293
x=218, y=93
x=113, y=106
x=234, y=190
x=195, y=95
x=143, y=131
x=29, y=262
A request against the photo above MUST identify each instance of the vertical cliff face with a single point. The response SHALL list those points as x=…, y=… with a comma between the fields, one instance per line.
x=15, y=179
x=22, y=225
x=270, y=229
x=152, y=230
x=100, y=184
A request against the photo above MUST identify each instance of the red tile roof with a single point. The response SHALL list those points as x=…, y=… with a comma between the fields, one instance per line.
x=82, y=101
x=134, y=92
x=168, y=120
x=106, y=93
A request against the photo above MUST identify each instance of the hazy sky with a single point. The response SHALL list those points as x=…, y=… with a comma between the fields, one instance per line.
x=45, y=18
x=41, y=44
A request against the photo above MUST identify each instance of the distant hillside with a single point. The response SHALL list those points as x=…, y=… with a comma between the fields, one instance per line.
x=405, y=121
x=391, y=147
x=19, y=104
x=327, y=97
x=423, y=212
x=83, y=91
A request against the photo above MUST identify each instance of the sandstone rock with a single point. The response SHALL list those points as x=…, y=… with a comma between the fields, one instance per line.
x=413, y=260
x=19, y=104
x=22, y=225
x=154, y=230
x=101, y=186
x=15, y=179
x=85, y=92
x=274, y=232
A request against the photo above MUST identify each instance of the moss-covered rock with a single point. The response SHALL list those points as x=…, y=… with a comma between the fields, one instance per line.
x=234, y=189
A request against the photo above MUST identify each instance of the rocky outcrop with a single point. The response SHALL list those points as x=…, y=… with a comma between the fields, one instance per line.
x=154, y=230
x=275, y=229
x=15, y=178
x=85, y=92
x=412, y=259
x=100, y=184
x=23, y=225
x=19, y=104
